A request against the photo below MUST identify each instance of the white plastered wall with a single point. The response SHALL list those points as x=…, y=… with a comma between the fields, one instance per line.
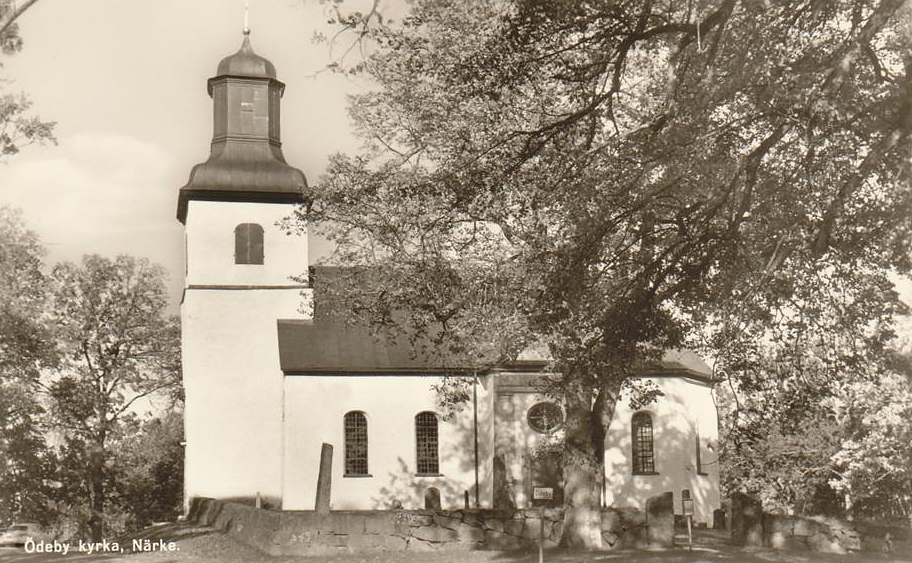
x=232, y=379
x=314, y=409
x=686, y=406
x=210, y=244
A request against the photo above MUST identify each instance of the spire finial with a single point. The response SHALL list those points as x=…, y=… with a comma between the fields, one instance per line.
x=246, y=18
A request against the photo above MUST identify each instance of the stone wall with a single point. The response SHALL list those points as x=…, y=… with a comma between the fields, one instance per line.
x=751, y=526
x=307, y=533
x=746, y=520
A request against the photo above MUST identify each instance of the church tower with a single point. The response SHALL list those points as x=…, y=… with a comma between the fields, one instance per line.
x=238, y=281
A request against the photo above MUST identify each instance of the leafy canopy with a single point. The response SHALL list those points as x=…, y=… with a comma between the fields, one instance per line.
x=549, y=171
x=117, y=345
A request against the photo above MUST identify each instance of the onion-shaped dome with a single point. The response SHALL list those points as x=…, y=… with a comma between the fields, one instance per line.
x=246, y=63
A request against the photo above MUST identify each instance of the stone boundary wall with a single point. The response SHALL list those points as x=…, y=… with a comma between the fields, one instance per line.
x=309, y=533
x=751, y=526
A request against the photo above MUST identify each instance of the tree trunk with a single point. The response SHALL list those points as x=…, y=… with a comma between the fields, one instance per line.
x=96, y=492
x=583, y=470
x=585, y=430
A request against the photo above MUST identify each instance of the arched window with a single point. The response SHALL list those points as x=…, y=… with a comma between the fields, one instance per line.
x=641, y=435
x=426, y=441
x=248, y=244
x=355, y=444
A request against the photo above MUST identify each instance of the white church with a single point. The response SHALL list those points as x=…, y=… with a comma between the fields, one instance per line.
x=267, y=385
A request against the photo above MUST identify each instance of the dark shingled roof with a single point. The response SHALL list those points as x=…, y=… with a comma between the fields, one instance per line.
x=308, y=347
x=327, y=344
x=249, y=172
x=332, y=346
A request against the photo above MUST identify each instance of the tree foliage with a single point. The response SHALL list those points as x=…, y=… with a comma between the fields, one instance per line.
x=74, y=358
x=873, y=465
x=117, y=348
x=81, y=348
x=27, y=463
x=142, y=475
x=804, y=444
x=26, y=347
x=17, y=127
x=150, y=466
x=812, y=381
x=608, y=178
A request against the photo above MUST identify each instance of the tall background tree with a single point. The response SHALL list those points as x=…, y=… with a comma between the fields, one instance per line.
x=117, y=348
x=611, y=179
x=815, y=418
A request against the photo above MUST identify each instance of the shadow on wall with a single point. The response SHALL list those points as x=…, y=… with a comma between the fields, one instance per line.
x=463, y=426
x=674, y=448
x=456, y=457
x=403, y=487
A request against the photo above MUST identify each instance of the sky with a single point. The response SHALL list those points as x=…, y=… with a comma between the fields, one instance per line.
x=125, y=80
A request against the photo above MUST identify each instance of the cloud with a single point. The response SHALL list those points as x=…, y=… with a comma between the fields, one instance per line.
x=99, y=192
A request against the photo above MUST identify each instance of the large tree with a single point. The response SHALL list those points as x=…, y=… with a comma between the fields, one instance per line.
x=118, y=348
x=607, y=178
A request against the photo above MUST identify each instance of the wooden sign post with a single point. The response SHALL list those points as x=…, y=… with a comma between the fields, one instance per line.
x=541, y=534
x=687, y=505
x=544, y=494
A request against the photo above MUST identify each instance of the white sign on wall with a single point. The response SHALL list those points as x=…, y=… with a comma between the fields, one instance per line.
x=542, y=493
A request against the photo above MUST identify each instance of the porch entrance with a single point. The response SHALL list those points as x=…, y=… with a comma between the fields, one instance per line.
x=547, y=478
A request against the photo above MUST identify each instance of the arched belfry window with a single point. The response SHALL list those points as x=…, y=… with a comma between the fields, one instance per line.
x=427, y=461
x=355, y=444
x=248, y=244
x=641, y=436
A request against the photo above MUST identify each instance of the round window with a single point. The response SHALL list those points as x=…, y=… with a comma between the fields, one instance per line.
x=545, y=417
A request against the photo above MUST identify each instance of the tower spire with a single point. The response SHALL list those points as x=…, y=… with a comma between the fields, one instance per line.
x=245, y=161
x=246, y=17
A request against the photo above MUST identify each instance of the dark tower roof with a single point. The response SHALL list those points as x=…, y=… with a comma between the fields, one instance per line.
x=246, y=63
x=246, y=161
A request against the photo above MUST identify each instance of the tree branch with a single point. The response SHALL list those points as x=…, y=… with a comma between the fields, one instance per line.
x=14, y=15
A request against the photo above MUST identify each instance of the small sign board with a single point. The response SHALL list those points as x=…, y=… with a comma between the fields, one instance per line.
x=542, y=493
x=688, y=507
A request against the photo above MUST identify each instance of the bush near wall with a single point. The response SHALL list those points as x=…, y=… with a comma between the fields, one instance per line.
x=751, y=526
x=307, y=533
